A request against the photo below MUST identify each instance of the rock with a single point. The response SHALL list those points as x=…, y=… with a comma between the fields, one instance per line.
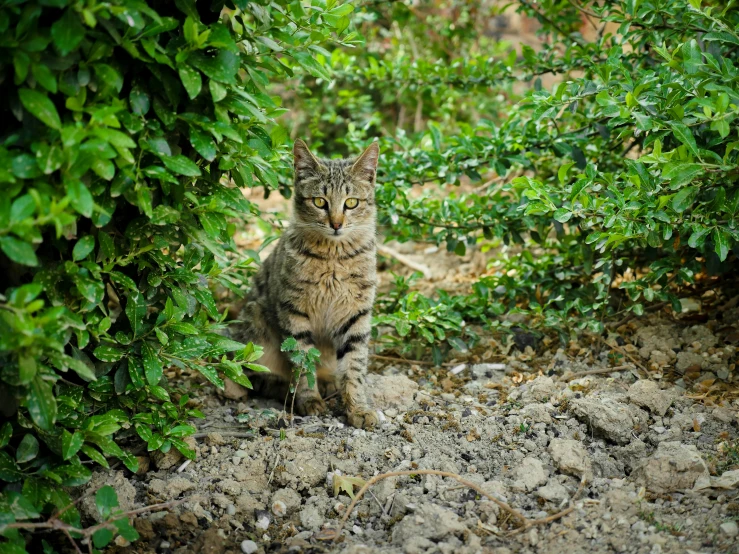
x=529, y=474
x=288, y=498
x=123, y=487
x=230, y=487
x=543, y=388
x=249, y=547
x=487, y=372
x=673, y=467
x=553, y=492
x=701, y=334
x=214, y=439
x=173, y=456
x=647, y=394
x=429, y=522
x=729, y=528
x=536, y=413
x=392, y=391
x=232, y=390
x=571, y=457
x=177, y=485
x=657, y=337
x=311, y=518
x=690, y=305
x=610, y=419
x=727, y=480
x=686, y=360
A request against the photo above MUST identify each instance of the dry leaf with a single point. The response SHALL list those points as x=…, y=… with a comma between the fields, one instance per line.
x=347, y=484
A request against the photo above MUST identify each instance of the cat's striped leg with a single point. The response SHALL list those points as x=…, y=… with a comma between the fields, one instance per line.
x=352, y=355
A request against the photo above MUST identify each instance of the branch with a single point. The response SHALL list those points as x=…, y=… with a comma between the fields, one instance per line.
x=525, y=523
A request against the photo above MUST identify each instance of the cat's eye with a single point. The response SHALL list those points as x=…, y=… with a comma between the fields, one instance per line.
x=351, y=203
x=319, y=202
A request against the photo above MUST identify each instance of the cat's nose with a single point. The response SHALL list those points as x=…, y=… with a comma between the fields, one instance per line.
x=336, y=225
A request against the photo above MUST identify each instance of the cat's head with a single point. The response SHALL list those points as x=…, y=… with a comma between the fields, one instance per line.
x=335, y=198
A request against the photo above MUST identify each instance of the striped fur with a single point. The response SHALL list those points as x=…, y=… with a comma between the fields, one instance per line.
x=318, y=285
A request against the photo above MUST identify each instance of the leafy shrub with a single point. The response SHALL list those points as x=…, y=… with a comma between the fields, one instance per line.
x=125, y=126
x=618, y=181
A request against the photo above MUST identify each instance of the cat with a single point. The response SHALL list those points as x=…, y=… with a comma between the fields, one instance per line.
x=318, y=285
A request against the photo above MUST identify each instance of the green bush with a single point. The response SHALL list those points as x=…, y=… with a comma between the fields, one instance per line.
x=612, y=189
x=128, y=127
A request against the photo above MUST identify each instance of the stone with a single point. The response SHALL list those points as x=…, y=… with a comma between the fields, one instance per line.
x=529, y=474
x=673, y=467
x=686, y=360
x=657, y=337
x=729, y=528
x=570, y=457
x=536, y=413
x=701, y=334
x=727, y=480
x=249, y=547
x=553, y=491
x=543, y=388
x=311, y=518
x=289, y=499
x=608, y=418
x=391, y=391
x=429, y=522
x=647, y=394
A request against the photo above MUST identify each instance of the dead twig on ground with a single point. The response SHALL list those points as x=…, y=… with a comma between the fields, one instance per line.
x=623, y=352
x=330, y=534
x=415, y=266
x=597, y=372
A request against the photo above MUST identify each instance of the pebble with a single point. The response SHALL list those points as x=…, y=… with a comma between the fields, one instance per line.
x=164, y=545
x=231, y=510
x=729, y=528
x=357, y=530
x=235, y=460
x=249, y=547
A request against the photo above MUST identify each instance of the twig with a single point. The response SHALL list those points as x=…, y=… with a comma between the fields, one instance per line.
x=330, y=534
x=412, y=362
x=553, y=517
x=624, y=353
x=183, y=466
x=596, y=372
x=272, y=473
x=386, y=251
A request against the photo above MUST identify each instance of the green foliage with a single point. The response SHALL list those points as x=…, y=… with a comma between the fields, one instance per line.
x=127, y=129
x=608, y=190
x=303, y=361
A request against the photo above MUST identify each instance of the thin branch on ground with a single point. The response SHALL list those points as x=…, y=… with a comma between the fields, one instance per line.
x=597, y=372
x=415, y=266
x=333, y=534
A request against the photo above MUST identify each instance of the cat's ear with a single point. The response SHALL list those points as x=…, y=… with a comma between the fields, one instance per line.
x=304, y=160
x=365, y=167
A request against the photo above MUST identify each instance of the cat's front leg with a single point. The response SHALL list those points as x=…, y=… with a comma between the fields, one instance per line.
x=352, y=356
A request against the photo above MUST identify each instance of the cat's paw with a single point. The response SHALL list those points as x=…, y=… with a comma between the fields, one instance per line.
x=312, y=407
x=363, y=419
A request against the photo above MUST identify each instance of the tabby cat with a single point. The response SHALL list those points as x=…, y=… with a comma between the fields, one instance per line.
x=318, y=285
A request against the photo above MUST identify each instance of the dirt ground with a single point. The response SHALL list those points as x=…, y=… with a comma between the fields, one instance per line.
x=646, y=457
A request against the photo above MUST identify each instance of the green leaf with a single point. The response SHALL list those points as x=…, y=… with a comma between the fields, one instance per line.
x=562, y=215
x=685, y=135
x=684, y=199
x=27, y=449
x=562, y=173
x=191, y=80
x=71, y=443
x=94, y=455
x=9, y=470
x=181, y=165
x=41, y=404
x=44, y=77
x=83, y=248
x=311, y=65
x=67, y=32
x=136, y=312
x=152, y=364
x=19, y=251
x=39, y=105
x=203, y=143
x=6, y=431
x=26, y=368
x=105, y=500
x=102, y=537
x=721, y=243
x=80, y=197
x=108, y=353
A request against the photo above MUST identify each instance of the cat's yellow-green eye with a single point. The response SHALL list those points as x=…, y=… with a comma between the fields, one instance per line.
x=319, y=202
x=351, y=203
